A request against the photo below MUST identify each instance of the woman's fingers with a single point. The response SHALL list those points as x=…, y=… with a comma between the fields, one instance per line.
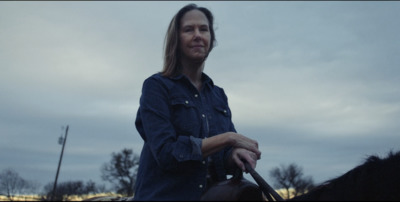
x=247, y=143
x=240, y=155
x=238, y=162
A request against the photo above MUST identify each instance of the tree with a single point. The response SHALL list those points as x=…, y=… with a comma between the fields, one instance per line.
x=66, y=189
x=121, y=171
x=291, y=176
x=11, y=184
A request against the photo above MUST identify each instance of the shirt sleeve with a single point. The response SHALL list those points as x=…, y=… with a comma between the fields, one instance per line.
x=196, y=145
x=167, y=148
x=228, y=151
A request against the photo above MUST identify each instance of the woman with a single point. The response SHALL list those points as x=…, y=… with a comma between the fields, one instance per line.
x=184, y=119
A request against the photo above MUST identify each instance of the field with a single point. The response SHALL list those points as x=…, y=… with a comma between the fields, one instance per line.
x=71, y=198
x=82, y=197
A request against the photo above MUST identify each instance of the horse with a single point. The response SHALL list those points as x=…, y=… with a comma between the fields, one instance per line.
x=377, y=179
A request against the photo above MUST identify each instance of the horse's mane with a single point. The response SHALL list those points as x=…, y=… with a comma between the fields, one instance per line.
x=376, y=179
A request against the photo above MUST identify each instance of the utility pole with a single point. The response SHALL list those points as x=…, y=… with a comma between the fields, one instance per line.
x=59, y=164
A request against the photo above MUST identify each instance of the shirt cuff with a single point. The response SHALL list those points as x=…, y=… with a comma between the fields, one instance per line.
x=196, y=146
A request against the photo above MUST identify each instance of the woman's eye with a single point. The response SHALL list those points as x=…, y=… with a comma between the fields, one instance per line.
x=187, y=29
x=204, y=29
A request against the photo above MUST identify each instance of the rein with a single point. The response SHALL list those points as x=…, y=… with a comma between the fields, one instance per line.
x=269, y=192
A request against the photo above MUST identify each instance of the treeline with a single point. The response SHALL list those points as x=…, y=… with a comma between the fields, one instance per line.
x=13, y=185
x=66, y=190
x=121, y=172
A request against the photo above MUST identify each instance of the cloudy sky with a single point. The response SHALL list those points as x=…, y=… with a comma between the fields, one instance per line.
x=316, y=83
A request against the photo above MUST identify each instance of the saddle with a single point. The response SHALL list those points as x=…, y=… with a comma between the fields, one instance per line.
x=236, y=188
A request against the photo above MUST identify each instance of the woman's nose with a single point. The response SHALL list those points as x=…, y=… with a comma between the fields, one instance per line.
x=197, y=34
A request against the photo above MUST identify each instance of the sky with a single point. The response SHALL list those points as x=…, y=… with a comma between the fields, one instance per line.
x=316, y=83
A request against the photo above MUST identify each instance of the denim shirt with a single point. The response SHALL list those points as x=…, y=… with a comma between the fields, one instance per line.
x=172, y=119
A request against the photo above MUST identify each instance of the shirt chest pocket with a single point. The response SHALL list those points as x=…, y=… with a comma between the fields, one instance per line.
x=185, y=117
x=222, y=118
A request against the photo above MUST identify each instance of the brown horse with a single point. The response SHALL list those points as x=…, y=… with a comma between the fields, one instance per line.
x=377, y=179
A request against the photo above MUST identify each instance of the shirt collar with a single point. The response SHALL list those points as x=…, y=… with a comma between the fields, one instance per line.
x=207, y=81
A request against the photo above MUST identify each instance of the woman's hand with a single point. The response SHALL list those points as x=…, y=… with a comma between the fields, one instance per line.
x=240, y=155
x=241, y=141
x=216, y=143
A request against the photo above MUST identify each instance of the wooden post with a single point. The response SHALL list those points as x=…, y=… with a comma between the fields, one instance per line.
x=59, y=164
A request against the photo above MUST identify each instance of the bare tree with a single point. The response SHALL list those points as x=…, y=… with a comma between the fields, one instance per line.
x=291, y=176
x=11, y=184
x=121, y=171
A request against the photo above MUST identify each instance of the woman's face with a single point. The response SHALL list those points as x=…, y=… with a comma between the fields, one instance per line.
x=194, y=35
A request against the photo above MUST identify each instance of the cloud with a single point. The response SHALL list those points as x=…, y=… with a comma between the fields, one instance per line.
x=315, y=83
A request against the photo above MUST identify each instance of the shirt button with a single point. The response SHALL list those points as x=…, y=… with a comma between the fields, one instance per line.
x=225, y=111
x=196, y=95
x=203, y=162
x=187, y=102
x=203, y=115
x=200, y=186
